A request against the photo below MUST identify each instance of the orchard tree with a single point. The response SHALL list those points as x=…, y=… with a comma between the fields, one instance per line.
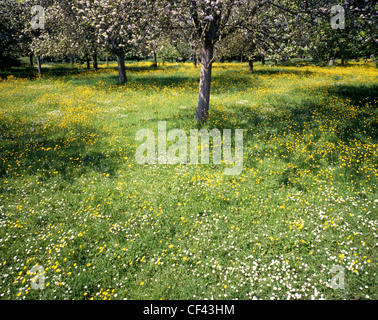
x=176, y=46
x=71, y=36
x=339, y=29
x=177, y=38
x=35, y=31
x=210, y=21
x=118, y=24
x=367, y=17
x=152, y=42
x=11, y=25
x=268, y=32
x=62, y=34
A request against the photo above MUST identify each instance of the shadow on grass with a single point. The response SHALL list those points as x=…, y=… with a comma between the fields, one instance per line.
x=306, y=124
x=19, y=72
x=271, y=71
x=149, y=67
x=294, y=118
x=47, y=72
x=356, y=95
x=30, y=149
x=220, y=84
x=146, y=77
x=32, y=73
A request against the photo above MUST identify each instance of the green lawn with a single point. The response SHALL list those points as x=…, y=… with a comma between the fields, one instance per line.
x=74, y=200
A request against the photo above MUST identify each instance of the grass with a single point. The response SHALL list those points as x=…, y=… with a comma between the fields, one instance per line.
x=74, y=200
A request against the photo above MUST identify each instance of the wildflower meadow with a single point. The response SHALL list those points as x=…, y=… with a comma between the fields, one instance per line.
x=298, y=222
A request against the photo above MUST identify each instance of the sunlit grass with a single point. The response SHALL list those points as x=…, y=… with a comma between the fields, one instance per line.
x=74, y=200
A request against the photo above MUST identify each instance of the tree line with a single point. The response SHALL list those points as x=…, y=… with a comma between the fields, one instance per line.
x=199, y=30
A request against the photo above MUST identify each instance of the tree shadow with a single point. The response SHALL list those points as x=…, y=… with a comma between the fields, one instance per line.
x=219, y=85
x=301, y=115
x=271, y=71
x=21, y=72
x=161, y=82
x=149, y=68
x=32, y=73
x=221, y=82
x=31, y=149
x=302, y=126
x=357, y=95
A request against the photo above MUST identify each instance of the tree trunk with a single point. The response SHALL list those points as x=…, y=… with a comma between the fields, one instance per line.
x=205, y=82
x=31, y=62
x=107, y=62
x=263, y=60
x=121, y=67
x=342, y=62
x=250, y=63
x=95, y=63
x=332, y=61
x=155, y=60
x=72, y=62
x=194, y=58
x=39, y=66
x=88, y=63
x=241, y=59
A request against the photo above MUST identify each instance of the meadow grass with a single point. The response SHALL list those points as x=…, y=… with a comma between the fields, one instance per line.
x=74, y=200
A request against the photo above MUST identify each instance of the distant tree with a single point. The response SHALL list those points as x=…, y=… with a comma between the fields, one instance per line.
x=209, y=22
x=10, y=32
x=212, y=22
x=340, y=29
x=34, y=39
x=118, y=25
x=268, y=32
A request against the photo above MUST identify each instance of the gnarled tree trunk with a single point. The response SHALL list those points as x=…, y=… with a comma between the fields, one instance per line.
x=121, y=67
x=94, y=59
x=194, y=58
x=205, y=82
x=250, y=63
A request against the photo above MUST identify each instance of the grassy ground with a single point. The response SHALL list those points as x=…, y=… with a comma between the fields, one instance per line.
x=74, y=200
